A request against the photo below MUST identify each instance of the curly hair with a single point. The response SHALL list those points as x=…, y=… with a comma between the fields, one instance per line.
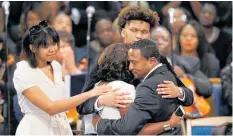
x=138, y=13
x=114, y=65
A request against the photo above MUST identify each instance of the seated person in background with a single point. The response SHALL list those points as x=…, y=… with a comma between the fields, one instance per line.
x=183, y=65
x=226, y=79
x=66, y=55
x=62, y=22
x=192, y=42
x=181, y=17
x=220, y=41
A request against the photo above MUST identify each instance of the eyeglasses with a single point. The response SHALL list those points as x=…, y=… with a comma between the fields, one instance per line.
x=37, y=28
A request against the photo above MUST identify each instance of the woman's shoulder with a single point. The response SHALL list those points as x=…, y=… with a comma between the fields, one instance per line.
x=24, y=70
x=23, y=65
x=121, y=84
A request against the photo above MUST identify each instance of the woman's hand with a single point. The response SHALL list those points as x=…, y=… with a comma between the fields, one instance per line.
x=100, y=90
x=115, y=98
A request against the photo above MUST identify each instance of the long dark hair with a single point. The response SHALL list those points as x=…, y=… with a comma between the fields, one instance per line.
x=38, y=40
x=114, y=65
x=203, y=45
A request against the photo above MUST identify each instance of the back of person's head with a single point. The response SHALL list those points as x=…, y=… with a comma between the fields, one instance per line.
x=203, y=46
x=113, y=64
x=138, y=13
x=39, y=36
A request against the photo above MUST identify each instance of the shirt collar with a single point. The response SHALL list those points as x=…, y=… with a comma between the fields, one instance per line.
x=159, y=65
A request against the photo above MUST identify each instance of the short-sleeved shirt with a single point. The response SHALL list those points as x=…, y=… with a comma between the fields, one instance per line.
x=26, y=77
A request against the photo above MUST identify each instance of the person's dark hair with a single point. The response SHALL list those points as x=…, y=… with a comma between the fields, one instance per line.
x=138, y=13
x=41, y=39
x=114, y=65
x=149, y=49
x=203, y=45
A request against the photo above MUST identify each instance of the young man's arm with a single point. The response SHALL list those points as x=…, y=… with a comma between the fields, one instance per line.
x=169, y=90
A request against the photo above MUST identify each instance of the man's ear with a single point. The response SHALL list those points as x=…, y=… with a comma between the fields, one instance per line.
x=123, y=33
x=32, y=48
x=153, y=61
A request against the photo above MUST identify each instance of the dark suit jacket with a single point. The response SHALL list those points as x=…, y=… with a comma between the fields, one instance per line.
x=88, y=106
x=148, y=107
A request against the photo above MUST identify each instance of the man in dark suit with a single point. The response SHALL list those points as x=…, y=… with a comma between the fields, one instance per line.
x=146, y=64
x=135, y=23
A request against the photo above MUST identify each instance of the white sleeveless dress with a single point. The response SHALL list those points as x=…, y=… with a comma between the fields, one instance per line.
x=35, y=120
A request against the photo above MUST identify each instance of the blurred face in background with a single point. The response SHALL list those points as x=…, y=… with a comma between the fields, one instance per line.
x=162, y=38
x=48, y=10
x=104, y=32
x=62, y=22
x=116, y=34
x=179, y=20
x=208, y=15
x=188, y=39
x=64, y=50
x=135, y=30
x=32, y=19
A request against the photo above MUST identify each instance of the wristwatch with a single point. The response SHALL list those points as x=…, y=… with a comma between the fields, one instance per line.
x=167, y=127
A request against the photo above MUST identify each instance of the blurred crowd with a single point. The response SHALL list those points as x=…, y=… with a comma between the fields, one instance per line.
x=201, y=29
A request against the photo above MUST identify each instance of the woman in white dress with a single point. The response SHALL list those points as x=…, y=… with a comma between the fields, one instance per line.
x=113, y=71
x=40, y=88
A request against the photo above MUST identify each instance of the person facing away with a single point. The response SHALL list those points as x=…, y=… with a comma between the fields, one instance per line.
x=135, y=23
x=39, y=85
x=113, y=71
x=146, y=64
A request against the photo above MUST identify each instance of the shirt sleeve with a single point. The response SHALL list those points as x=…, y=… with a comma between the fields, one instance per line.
x=23, y=77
